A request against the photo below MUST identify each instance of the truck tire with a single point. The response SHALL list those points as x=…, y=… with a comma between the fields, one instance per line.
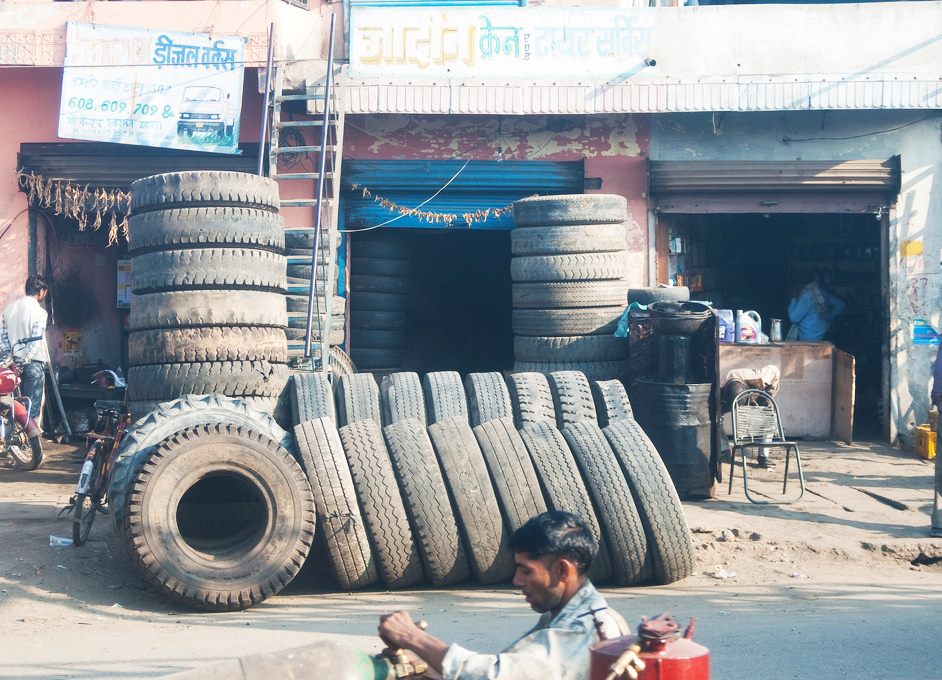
x=401, y=398
x=385, y=514
x=584, y=267
x=380, y=321
x=566, y=322
x=566, y=295
x=209, y=343
x=531, y=398
x=301, y=241
x=379, y=339
x=572, y=397
x=377, y=359
x=232, y=378
x=593, y=370
x=363, y=301
x=647, y=296
x=358, y=399
x=426, y=499
x=233, y=227
x=571, y=348
x=444, y=396
x=378, y=284
x=338, y=512
x=476, y=506
x=387, y=250
x=540, y=211
x=488, y=398
x=209, y=188
x=611, y=402
x=377, y=266
x=568, y=239
x=311, y=397
x=219, y=517
x=188, y=308
x=298, y=305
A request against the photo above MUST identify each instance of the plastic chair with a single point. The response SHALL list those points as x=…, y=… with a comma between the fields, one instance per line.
x=757, y=425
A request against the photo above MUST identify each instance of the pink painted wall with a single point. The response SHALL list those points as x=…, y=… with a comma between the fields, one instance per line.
x=614, y=149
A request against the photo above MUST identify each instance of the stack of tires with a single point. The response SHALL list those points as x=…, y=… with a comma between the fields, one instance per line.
x=299, y=245
x=568, y=270
x=208, y=312
x=379, y=279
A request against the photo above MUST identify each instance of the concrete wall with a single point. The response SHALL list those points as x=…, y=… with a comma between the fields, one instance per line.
x=613, y=148
x=915, y=226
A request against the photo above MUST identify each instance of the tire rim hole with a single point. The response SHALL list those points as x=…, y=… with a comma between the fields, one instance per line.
x=222, y=515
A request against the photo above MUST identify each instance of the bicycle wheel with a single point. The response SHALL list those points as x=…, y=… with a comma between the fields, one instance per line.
x=26, y=451
x=82, y=518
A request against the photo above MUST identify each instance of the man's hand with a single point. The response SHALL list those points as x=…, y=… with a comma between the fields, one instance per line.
x=399, y=631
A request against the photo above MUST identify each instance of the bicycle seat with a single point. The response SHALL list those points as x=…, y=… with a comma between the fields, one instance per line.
x=107, y=405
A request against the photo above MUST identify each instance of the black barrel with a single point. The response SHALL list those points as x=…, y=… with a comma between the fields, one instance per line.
x=677, y=419
x=674, y=360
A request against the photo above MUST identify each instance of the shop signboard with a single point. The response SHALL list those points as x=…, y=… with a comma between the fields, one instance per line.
x=501, y=42
x=152, y=88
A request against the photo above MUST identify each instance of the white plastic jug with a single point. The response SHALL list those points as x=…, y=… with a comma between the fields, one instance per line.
x=750, y=328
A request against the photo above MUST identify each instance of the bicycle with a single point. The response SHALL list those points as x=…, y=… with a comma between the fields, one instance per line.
x=102, y=444
x=20, y=436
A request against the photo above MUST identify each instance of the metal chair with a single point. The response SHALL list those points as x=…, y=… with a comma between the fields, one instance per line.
x=757, y=425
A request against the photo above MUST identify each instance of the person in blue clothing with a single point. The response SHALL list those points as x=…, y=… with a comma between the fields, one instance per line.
x=811, y=313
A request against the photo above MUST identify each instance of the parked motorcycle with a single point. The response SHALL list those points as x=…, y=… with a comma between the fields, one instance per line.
x=20, y=436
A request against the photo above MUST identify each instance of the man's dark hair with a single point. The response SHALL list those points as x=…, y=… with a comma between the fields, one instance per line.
x=557, y=534
x=35, y=284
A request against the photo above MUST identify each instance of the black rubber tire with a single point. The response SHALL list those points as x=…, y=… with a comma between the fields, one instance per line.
x=155, y=422
x=363, y=301
x=195, y=188
x=426, y=498
x=593, y=370
x=83, y=516
x=298, y=320
x=298, y=304
x=338, y=512
x=475, y=504
x=512, y=473
x=566, y=322
x=571, y=348
x=378, y=284
x=573, y=238
x=380, y=321
x=204, y=227
x=613, y=502
x=585, y=267
x=340, y=363
x=572, y=397
x=311, y=397
x=301, y=285
x=232, y=378
x=207, y=308
x=213, y=575
x=563, y=487
x=302, y=241
x=299, y=273
x=444, y=396
x=538, y=211
x=336, y=336
x=377, y=359
x=379, y=339
x=401, y=398
x=569, y=295
x=531, y=398
x=383, y=509
x=647, y=296
x=611, y=401
x=358, y=399
x=488, y=398
x=387, y=250
x=376, y=266
x=209, y=343
x=31, y=449
x=659, y=507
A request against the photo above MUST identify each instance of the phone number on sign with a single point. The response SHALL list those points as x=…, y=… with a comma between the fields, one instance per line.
x=118, y=106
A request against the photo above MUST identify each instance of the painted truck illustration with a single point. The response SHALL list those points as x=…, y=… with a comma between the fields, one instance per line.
x=205, y=109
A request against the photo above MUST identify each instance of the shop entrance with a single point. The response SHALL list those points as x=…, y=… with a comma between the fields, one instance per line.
x=760, y=262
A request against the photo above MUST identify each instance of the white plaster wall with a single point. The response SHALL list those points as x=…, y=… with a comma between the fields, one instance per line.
x=915, y=224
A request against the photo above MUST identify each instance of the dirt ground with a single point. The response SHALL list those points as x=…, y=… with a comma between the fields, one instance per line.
x=826, y=583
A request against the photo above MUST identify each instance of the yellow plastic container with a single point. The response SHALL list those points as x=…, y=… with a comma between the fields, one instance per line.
x=925, y=442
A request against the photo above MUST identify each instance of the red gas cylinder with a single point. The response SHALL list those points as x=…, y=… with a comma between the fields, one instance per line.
x=664, y=653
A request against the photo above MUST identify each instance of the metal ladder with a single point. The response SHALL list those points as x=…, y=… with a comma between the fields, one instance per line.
x=320, y=140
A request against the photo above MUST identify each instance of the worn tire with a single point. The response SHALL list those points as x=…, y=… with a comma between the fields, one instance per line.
x=538, y=211
x=363, y=301
x=376, y=266
x=378, y=284
x=338, y=512
x=358, y=399
x=209, y=343
x=366, y=320
x=336, y=336
x=207, y=308
x=593, y=370
x=268, y=516
x=475, y=504
x=311, y=397
x=613, y=502
x=379, y=339
x=566, y=322
x=386, y=520
x=573, y=238
x=531, y=398
x=572, y=397
x=488, y=398
x=401, y=398
x=444, y=396
x=566, y=295
x=301, y=241
x=233, y=227
x=194, y=188
x=659, y=507
x=580, y=267
x=386, y=250
x=298, y=304
x=571, y=348
x=611, y=401
x=647, y=296
x=232, y=378
x=512, y=473
x=426, y=499
x=563, y=487
x=376, y=359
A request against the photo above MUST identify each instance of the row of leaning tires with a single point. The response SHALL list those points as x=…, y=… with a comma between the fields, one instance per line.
x=568, y=271
x=208, y=312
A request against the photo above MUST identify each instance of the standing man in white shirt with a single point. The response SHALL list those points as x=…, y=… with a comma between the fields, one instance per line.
x=25, y=318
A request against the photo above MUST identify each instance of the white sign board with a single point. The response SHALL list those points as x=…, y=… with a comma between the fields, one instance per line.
x=499, y=42
x=152, y=88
